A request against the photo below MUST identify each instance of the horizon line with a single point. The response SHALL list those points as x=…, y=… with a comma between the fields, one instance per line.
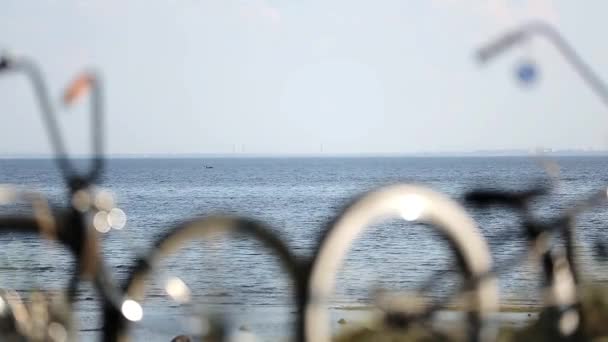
x=477, y=153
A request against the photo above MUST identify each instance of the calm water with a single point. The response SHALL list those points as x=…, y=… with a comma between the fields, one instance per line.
x=296, y=196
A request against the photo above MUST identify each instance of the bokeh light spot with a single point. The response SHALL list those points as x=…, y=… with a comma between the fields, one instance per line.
x=104, y=200
x=132, y=310
x=178, y=290
x=100, y=222
x=117, y=219
x=412, y=207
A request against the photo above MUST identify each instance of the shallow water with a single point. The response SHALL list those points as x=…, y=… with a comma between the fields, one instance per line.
x=297, y=197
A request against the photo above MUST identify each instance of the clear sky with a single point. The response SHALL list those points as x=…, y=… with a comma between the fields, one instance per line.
x=287, y=76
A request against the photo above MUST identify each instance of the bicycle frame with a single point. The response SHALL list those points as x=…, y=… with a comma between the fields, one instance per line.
x=71, y=228
x=87, y=80
x=543, y=29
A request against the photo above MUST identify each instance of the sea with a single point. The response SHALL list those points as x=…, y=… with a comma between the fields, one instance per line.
x=235, y=281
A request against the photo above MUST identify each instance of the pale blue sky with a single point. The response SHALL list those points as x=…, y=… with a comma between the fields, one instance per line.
x=285, y=76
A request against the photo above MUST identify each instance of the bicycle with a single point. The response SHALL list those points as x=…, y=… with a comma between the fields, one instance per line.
x=565, y=305
x=70, y=225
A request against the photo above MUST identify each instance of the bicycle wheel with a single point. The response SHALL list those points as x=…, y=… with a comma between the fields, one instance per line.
x=116, y=327
x=413, y=203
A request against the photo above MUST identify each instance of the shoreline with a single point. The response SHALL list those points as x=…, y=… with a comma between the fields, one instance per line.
x=274, y=322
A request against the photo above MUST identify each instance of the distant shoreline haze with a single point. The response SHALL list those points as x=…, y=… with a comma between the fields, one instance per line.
x=478, y=153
